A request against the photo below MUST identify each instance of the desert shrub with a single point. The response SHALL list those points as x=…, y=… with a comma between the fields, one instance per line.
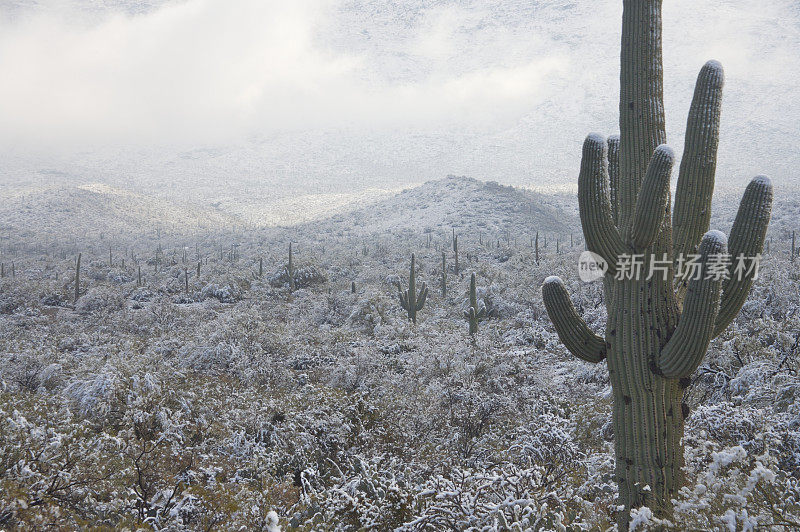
x=100, y=298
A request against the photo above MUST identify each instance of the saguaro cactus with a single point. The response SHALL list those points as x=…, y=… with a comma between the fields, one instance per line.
x=537, y=247
x=410, y=300
x=290, y=270
x=658, y=329
x=78, y=278
x=793, y=249
x=444, y=275
x=475, y=313
x=455, y=252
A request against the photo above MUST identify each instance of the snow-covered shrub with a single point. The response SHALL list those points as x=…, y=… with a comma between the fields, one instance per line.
x=100, y=298
x=228, y=293
x=304, y=277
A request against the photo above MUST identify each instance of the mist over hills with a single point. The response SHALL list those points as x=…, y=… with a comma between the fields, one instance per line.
x=378, y=95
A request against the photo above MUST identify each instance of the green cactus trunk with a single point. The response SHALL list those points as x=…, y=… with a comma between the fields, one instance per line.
x=410, y=300
x=473, y=313
x=659, y=327
x=647, y=413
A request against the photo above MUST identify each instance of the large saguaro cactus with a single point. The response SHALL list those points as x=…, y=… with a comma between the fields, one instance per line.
x=658, y=329
x=410, y=300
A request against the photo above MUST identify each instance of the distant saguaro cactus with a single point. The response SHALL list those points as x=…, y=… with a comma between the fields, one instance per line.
x=537, y=247
x=658, y=328
x=410, y=300
x=455, y=251
x=794, y=252
x=78, y=278
x=290, y=270
x=475, y=313
x=444, y=275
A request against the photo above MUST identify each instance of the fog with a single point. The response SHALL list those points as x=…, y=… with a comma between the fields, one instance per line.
x=363, y=94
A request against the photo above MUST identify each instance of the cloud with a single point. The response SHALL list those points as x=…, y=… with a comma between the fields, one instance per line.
x=206, y=70
x=504, y=92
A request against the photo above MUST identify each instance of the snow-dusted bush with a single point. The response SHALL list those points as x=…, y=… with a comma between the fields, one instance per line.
x=100, y=298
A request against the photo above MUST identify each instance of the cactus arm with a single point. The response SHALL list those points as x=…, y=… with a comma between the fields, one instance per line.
x=403, y=299
x=747, y=240
x=423, y=295
x=653, y=200
x=572, y=330
x=599, y=230
x=688, y=344
x=692, y=212
x=613, y=176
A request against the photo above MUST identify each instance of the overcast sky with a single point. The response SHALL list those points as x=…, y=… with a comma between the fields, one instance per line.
x=383, y=91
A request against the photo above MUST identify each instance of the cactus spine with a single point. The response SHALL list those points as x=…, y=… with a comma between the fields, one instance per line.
x=410, y=300
x=78, y=278
x=656, y=336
